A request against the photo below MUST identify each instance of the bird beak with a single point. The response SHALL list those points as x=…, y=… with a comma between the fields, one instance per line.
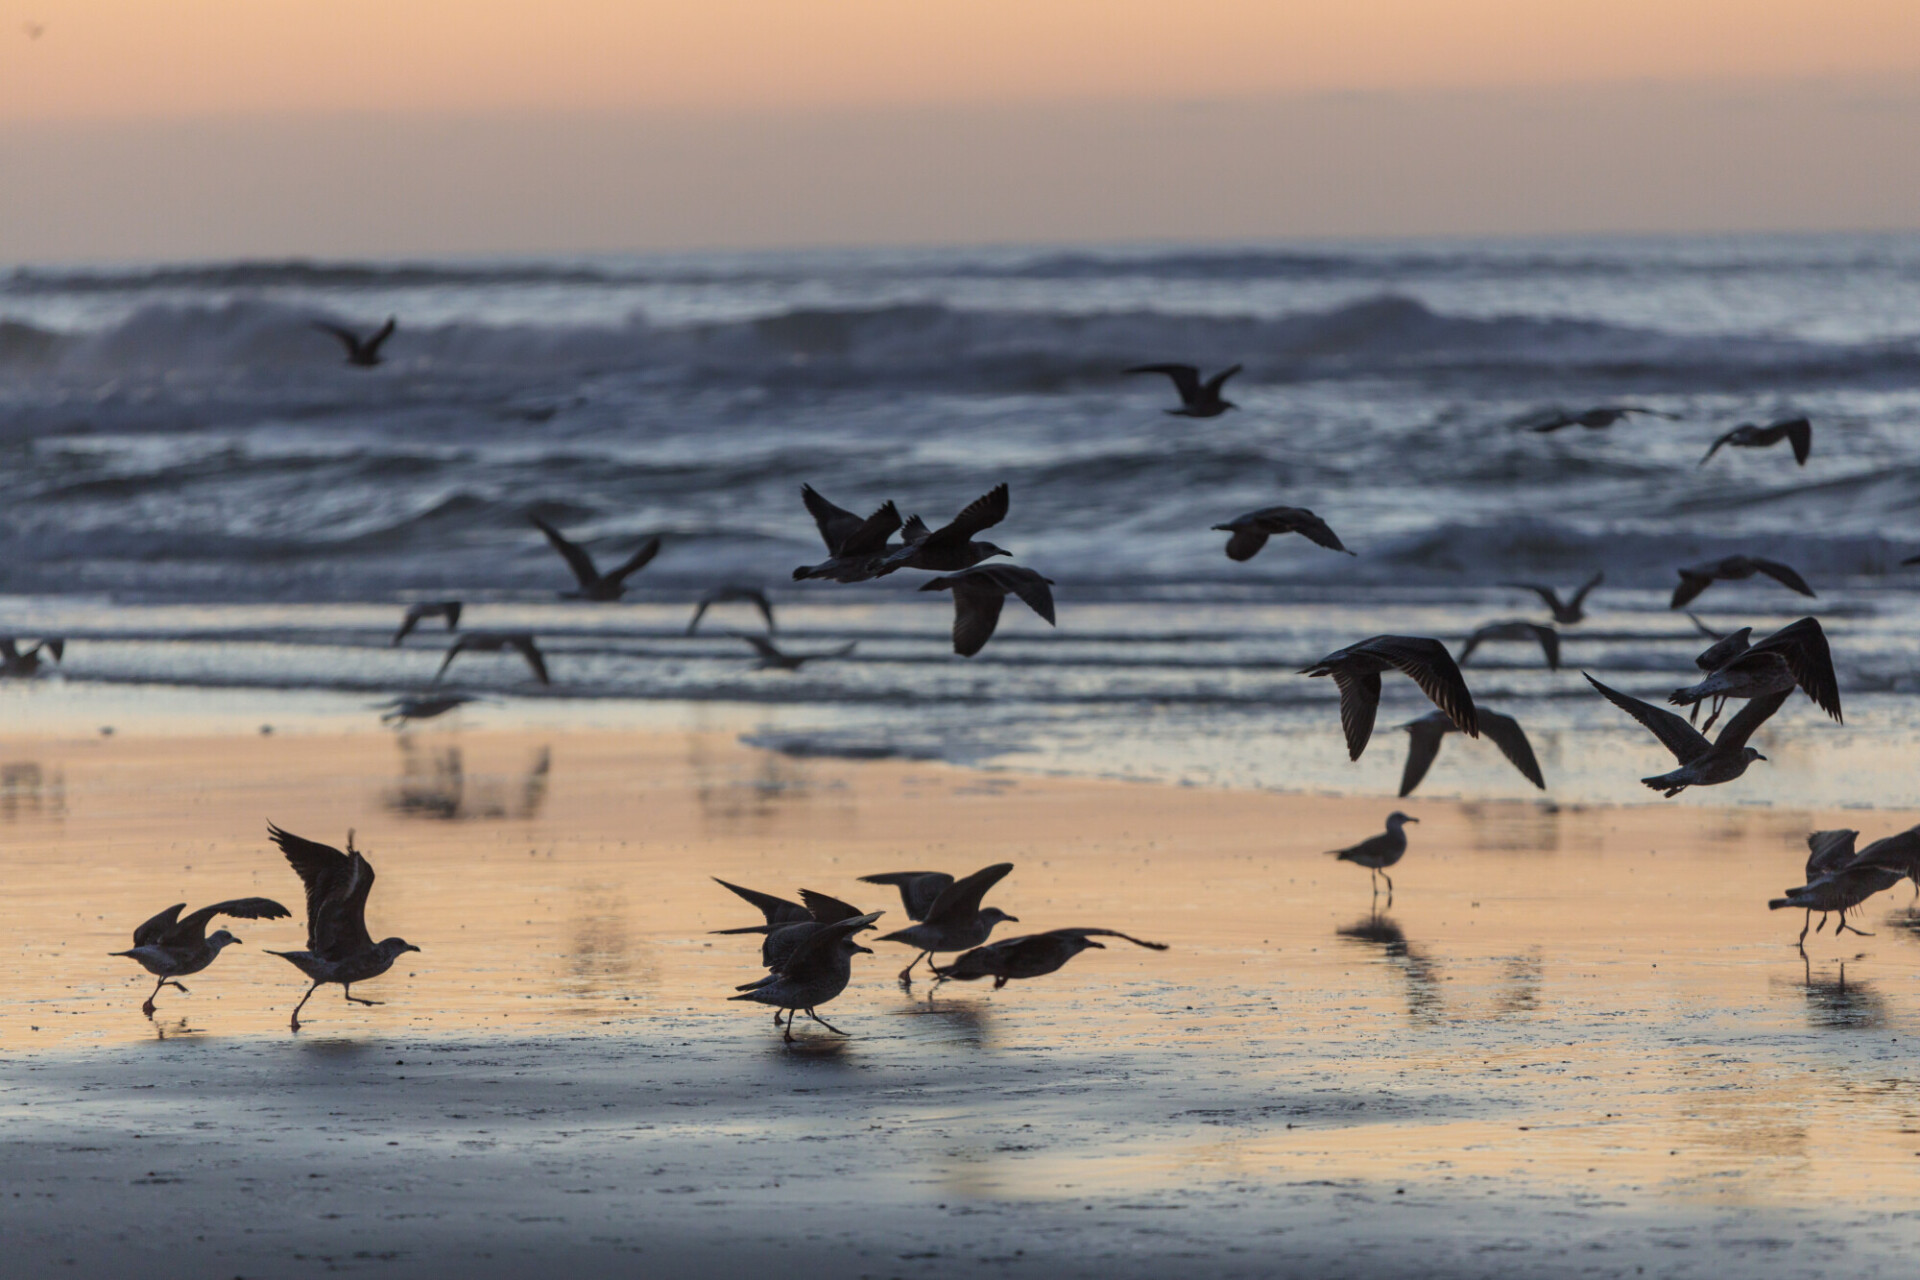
x=1013, y=919
x=1758, y=756
x=235, y=941
x=1101, y=946
x=864, y=950
x=1413, y=819
x=411, y=947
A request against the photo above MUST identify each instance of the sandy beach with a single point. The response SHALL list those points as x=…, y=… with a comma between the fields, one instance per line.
x=1577, y=1043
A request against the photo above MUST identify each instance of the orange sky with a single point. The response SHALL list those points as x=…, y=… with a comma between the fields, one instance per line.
x=133, y=59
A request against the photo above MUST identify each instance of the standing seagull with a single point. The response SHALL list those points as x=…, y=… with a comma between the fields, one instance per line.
x=980, y=592
x=951, y=547
x=1032, y=956
x=14, y=663
x=817, y=971
x=593, y=584
x=774, y=658
x=855, y=547
x=1748, y=436
x=1251, y=531
x=1795, y=655
x=1567, y=612
x=1546, y=637
x=1377, y=853
x=339, y=948
x=1597, y=419
x=497, y=642
x=953, y=921
x=1426, y=734
x=1197, y=399
x=732, y=593
x=1356, y=672
x=1702, y=763
x=1697, y=578
x=418, y=613
x=364, y=352
x=171, y=948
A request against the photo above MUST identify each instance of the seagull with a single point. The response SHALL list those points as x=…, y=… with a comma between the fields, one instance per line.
x=1377, y=853
x=953, y=921
x=421, y=706
x=788, y=923
x=816, y=972
x=1795, y=655
x=339, y=948
x=733, y=594
x=171, y=948
x=855, y=547
x=1702, y=763
x=1548, y=638
x=418, y=613
x=364, y=352
x=14, y=663
x=979, y=593
x=1251, y=531
x=1356, y=671
x=1197, y=399
x=951, y=547
x=1032, y=956
x=778, y=911
x=1567, y=612
x=772, y=658
x=496, y=642
x=1748, y=436
x=1827, y=852
x=593, y=585
x=1425, y=735
x=1880, y=865
x=1699, y=577
x=1596, y=419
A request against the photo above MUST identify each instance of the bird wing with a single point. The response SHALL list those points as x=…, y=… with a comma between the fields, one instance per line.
x=825, y=910
x=340, y=921
x=1473, y=641
x=960, y=901
x=1359, y=702
x=985, y=511
x=1715, y=446
x=836, y=524
x=322, y=868
x=1245, y=543
x=1186, y=378
x=1804, y=646
x=1549, y=644
x=11, y=651
x=452, y=614
x=1798, y=431
x=577, y=559
x=1103, y=933
x=1691, y=585
x=1034, y=591
x=914, y=530
x=871, y=537
x=531, y=652
x=1554, y=423
x=776, y=910
x=639, y=560
x=193, y=929
x=1219, y=380
x=1675, y=734
x=919, y=890
x=348, y=338
x=1899, y=852
x=1424, y=737
x=699, y=612
x=763, y=646
x=760, y=602
x=1756, y=713
x=1428, y=664
x=1828, y=851
x=1512, y=741
x=817, y=949
x=1785, y=575
x=407, y=624
x=1723, y=650
x=454, y=650
x=1580, y=596
x=380, y=336
x=977, y=603
x=1548, y=595
x=154, y=932
x=1706, y=630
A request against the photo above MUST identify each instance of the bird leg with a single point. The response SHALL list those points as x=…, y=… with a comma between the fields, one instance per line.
x=999, y=983
x=787, y=1034
x=823, y=1022
x=303, y=1003
x=1822, y=926
x=776, y=1017
x=1719, y=704
x=1389, y=880
x=1844, y=927
x=1804, y=926
x=148, y=1007
x=906, y=974
x=346, y=989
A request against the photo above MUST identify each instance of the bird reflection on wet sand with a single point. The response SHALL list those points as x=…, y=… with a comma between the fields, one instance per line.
x=1422, y=974
x=954, y=1021
x=1839, y=1003
x=27, y=791
x=435, y=784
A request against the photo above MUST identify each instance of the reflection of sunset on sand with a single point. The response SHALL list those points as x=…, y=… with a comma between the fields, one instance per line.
x=1585, y=1013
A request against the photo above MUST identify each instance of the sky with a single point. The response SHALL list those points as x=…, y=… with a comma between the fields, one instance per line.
x=218, y=128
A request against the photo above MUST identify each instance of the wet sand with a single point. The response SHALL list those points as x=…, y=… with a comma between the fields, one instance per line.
x=1577, y=1043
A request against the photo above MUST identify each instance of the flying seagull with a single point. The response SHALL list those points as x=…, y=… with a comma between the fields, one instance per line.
x=817, y=971
x=1697, y=578
x=405, y=707
x=951, y=547
x=1032, y=956
x=855, y=547
x=1356, y=671
x=1843, y=887
x=1251, y=531
x=339, y=948
x=953, y=921
x=593, y=584
x=1747, y=436
x=1547, y=638
x=980, y=592
x=732, y=593
x=1567, y=612
x=14, y=663
x=1598, y=418
x=170, y=947
x=496, y=642
x=1425, y=735
x=1377, y=853
x=1702, y=763
x=418, y=613
x=364, y=352
x=789, y=923
x=1197, y=399
x=773, y=658
x=1827, y=852
x=1795, y=655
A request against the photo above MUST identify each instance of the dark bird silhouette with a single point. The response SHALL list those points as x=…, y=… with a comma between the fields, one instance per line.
x=777, y=911
x=1251, y=531
x=1547, y=638
x=1702, y=763
x=788, y=924
x=1697, y=578
x=339, y=948
x=1842, y=888
x=497, y=642
x=364, y=352
x=170, y=947
x=1377, y=853
x=1795, y=655
x=1032, y=956
x=1356, y=672
x=953, y=921
x=773, y=658
x=732, y=593
x=418, y=613
x=18, y=665
x=1568, y=612
x=951, y=547
x=1597, y=419
x=1827, y=852
x=817, y=971
x=1197, y=399
x=979, y=594
x=1747, y=436
x=421, y=706
x=595, y=585
x=1426, y=734
x=855, y=547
